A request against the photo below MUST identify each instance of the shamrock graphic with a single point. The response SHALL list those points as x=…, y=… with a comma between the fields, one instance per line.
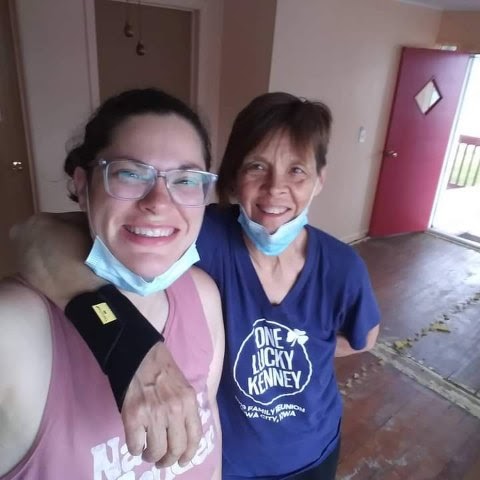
x=295, y=336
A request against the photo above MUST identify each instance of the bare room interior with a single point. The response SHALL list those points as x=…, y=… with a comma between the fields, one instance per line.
x=403, y=186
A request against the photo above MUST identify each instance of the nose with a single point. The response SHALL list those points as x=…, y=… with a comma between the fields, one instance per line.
x=157, y=197
x=275, y=182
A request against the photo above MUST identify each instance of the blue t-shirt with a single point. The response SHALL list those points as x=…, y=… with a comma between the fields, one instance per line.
x=279, y=403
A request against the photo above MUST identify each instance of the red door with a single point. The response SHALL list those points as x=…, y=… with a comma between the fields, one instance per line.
x=428, y=91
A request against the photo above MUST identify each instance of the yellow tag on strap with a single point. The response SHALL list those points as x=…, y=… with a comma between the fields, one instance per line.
x=104, y=313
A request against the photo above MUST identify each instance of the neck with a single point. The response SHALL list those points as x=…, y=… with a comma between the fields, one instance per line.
x=153, y=307
x=297, y=250
x=278, y=274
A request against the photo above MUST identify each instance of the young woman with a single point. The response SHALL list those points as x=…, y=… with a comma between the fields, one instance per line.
x=140, y=175
x=293, y=297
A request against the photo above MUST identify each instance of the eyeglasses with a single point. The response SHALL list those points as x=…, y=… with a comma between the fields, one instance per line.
x=132, y=180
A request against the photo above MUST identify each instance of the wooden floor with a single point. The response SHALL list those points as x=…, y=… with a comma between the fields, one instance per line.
x=410, y=426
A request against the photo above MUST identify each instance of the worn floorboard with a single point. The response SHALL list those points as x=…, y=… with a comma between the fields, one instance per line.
x=395, y=428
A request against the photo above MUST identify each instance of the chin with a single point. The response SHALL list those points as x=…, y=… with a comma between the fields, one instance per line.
x=147, y=268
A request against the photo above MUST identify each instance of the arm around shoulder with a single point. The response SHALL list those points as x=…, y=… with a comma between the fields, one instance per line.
x=51, y=249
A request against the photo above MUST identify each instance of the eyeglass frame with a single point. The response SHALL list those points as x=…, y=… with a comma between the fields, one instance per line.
x=103, y=163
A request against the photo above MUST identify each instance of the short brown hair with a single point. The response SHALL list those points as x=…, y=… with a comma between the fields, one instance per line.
x=308, y=123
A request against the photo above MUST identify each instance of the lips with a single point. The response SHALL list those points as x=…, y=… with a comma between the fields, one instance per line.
x=150, y=232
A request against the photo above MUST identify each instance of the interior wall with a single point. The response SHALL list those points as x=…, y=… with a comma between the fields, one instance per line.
x=461, y=29
x=167, y=36
x=247, y=43
x=346, y=54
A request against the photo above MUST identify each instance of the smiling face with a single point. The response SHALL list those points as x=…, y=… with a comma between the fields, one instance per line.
x=276, y=182
x=150, y=234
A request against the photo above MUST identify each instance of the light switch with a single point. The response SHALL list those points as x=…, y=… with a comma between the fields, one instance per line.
x=362, y=135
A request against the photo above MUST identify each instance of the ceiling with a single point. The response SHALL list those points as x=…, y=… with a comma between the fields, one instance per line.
x=447, y=4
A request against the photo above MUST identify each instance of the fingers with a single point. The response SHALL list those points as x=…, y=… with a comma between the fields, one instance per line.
x=193, y=428
x=176, y=441
x=134, y=433
x=160, y=401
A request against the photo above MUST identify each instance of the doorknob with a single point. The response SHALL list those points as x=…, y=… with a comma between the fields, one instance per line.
x=391, y=153
x=17, y=166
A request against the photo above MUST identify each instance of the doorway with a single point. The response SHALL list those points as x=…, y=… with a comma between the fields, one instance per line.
x=16, y=195
x=142, y=46
x=457, y=209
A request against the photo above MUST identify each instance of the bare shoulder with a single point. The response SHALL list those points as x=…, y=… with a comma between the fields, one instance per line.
x=212, y=306
x=19, y=305
x=25, y=342
x=25, y=369
x=203, y=281
x=209, y=296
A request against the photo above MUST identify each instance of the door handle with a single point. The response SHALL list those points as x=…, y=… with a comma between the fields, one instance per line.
x=391, y=153
x=17, y=166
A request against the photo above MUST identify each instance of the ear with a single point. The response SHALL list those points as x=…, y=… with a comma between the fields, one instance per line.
x=232, y=195
x=320, y=181
x=80, y=186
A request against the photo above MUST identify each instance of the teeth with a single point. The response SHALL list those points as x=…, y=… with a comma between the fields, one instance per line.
x=274, y=210
x=151, y=232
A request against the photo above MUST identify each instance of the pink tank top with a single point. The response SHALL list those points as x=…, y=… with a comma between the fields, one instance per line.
x=81, y=434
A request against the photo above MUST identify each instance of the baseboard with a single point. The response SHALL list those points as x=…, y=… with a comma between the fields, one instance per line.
x=355, y=237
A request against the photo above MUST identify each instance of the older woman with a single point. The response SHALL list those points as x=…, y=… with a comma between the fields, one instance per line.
x=293, y=297
x=140, y=176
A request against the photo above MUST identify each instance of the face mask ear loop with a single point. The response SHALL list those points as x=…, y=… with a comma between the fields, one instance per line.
x=312, y=195
x=90, y=225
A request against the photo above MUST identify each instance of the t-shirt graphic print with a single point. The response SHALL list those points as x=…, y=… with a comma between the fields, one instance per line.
x=272, y=362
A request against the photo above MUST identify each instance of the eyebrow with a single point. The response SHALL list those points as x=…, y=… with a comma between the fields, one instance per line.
x=183, y=166
x=191, y=166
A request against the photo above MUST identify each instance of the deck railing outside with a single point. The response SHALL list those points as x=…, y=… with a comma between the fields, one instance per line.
x=466, y=167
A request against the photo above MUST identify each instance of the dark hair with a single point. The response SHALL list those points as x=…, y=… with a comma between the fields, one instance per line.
x=99, y=129
x=308, y=123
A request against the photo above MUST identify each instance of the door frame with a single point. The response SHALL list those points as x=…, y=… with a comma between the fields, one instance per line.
x=23, y=103
x=198, y=46
x=445, y=173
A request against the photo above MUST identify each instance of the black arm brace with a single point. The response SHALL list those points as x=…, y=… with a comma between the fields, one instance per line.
x=115, y=331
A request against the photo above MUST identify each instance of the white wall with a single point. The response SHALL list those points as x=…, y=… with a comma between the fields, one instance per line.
x=57, y=46
x=346, y=53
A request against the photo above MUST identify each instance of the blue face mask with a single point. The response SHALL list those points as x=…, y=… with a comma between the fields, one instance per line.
x=105, y=265
x=272, y=243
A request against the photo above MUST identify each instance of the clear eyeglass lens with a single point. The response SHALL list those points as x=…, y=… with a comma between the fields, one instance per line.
x=189, y=187
x=130, y=180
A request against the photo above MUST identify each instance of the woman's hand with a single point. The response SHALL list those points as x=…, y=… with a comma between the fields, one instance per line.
x=160, y=402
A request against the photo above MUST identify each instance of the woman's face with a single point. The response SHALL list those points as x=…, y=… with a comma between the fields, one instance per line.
x=150, y=234
x=275, y=183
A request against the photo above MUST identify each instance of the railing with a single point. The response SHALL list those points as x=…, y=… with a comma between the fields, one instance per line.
x=466, y=167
